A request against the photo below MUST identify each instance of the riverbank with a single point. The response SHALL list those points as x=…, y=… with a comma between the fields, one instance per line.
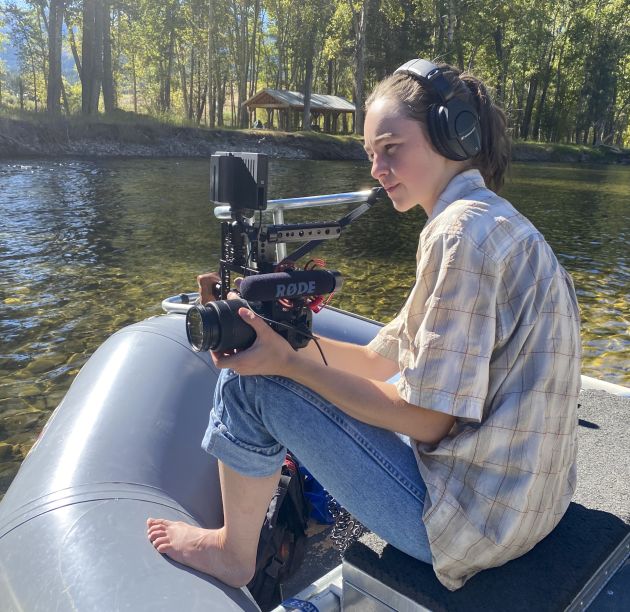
x=145, y=137
x=129, y=135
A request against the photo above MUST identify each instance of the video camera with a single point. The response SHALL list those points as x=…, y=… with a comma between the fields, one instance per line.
x=277, y=291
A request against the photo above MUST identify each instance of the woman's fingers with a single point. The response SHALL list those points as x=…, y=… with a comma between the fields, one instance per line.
x=266, y=356
x=207, y=284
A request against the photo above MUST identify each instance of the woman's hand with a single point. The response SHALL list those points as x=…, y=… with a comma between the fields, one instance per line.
x=207, y=283
x=270, y=354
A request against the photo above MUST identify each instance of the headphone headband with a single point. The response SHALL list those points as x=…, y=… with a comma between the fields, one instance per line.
x=430, y=76
x=453, y=123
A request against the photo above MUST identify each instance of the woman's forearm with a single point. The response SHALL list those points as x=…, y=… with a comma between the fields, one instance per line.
x=371, y=401
x=351, y=358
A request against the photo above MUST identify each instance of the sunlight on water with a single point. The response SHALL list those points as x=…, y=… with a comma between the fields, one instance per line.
x=88, y=247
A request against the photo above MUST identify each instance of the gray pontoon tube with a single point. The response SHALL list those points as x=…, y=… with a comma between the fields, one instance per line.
x=123, y=445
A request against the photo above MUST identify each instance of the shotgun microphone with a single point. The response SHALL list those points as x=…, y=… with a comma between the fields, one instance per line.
x=289, y=284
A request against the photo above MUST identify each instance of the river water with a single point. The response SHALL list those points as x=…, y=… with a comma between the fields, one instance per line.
x=87, y=247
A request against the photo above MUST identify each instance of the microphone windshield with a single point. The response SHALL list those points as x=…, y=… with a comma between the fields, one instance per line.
x=289, y=284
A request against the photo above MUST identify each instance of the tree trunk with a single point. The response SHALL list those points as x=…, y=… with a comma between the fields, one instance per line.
x=244, y=59
x=459, y=46
x=256, y=71
x=41, y=43
x=64, y=97
x=75, y=52
x=191, y=86
x=169, y=58
x=308, y=84
x=329, y=90
x=87, y=54
x=503, y=64
x=438, y=34
x=181, y=64
x=55, y=20
x=34, y=71
x=252, y=61
x=529, y=106
x=232, y=105
x=359, y=20
x=202, y=103
x=109, y=88
x=135, y=81
x=543, y=99
x=98, y=58
x=200, y=97
x=211, y=76
x=553, y=121
x=221, y=93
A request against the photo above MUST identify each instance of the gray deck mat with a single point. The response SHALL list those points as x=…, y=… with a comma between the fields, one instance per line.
x=549, y=576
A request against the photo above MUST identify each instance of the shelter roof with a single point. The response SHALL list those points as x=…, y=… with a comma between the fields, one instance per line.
x=282, y=98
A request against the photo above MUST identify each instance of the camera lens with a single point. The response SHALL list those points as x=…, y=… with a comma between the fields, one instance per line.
x=218, y=327
x=195, y=328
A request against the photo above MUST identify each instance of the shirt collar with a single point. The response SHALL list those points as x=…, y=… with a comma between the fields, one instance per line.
x=459, y=187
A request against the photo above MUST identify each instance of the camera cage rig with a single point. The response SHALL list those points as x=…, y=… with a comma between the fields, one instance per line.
x=239, y=180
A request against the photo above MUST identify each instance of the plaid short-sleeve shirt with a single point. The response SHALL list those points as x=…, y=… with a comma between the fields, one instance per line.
x=489, y=334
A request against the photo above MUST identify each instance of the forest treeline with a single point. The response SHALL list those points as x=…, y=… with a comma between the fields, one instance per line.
x=561, y=68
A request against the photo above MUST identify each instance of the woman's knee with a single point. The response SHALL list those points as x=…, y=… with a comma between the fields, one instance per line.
x=234, y=392
x=257, y=395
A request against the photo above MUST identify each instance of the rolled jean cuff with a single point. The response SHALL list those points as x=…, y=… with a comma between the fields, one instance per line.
x=239, y=456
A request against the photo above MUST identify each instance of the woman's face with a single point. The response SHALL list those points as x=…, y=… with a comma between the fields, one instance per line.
x=403, y=160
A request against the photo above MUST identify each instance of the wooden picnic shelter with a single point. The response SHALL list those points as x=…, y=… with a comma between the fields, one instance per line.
x=285, y=108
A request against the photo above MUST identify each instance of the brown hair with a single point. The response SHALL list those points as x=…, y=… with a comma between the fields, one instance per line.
x=494, y=158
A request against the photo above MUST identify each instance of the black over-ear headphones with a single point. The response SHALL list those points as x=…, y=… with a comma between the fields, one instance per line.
x=453, y=123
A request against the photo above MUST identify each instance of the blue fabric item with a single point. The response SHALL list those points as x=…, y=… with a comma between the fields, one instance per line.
x=371, y=472
x=299, y=604
x=317, y=495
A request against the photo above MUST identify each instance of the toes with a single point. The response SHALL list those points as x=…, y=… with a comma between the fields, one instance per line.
x=152, y=521
x=163, y=545
x=156, y=532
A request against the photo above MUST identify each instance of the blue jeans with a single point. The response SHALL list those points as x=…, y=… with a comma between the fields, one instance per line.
x=370, y=471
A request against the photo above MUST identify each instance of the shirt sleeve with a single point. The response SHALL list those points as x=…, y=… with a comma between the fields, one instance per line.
x=451, y=325
x=386, y=342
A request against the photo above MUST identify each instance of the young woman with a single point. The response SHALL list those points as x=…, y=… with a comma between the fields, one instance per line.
x=468, y=459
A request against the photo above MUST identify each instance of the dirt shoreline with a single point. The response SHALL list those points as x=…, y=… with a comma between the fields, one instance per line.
x=62, y=138
x=102, y=138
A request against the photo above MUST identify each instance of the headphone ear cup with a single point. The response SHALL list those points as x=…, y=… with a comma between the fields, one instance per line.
x=438, y=130
x=468, y=133
x=465, y=126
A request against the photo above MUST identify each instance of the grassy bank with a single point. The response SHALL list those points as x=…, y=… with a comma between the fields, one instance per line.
x=568, y=153
x=125, y=134
x=128, y=135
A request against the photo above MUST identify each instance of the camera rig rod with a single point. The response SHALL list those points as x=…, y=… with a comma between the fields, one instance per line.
x=319, y=201
x=342, y=223
x=244, y=244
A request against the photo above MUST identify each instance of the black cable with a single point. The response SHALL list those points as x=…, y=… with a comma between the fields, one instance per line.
x=293, y=328
x=319, y=348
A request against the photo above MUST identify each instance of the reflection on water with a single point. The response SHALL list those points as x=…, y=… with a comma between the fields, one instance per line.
x=87, y=247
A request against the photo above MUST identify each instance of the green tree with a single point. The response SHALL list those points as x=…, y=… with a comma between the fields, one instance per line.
x=28, y=35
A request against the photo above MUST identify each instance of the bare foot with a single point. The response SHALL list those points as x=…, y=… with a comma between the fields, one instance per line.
x=201, y=549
